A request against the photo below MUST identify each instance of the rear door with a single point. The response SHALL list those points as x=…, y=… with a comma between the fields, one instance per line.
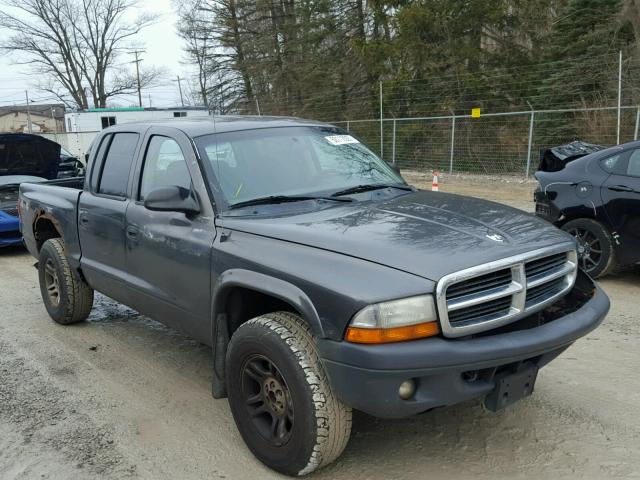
x=101, y=214
x=621, y=198
x=169, y=253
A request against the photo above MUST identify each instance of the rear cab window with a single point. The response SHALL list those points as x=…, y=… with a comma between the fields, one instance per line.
x=114, y=174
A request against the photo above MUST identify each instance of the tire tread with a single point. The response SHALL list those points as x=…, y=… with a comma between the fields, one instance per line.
x=79, y=295
x=333, y=417
x=612, y=265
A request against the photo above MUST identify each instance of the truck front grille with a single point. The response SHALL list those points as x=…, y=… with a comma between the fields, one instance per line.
x=497, y=293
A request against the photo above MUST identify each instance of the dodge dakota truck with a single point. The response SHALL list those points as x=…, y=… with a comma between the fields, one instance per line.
x=321, y=280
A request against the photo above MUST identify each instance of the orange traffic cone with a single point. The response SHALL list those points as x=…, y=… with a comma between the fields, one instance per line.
x=434, y=184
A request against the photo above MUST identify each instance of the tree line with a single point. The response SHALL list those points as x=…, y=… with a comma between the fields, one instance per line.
x=326, y=58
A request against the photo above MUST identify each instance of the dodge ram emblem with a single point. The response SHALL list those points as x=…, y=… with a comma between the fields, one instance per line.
x=495, y=237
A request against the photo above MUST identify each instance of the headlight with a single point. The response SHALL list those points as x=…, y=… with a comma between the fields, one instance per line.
x=394, y=321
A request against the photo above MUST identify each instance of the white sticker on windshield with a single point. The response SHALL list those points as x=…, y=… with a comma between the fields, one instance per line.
x=341, y=139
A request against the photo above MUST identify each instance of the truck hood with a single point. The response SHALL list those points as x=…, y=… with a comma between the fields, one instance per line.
x=423, y=233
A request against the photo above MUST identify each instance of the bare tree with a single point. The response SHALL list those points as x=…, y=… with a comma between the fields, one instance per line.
x=75, y=44
x=199, y=44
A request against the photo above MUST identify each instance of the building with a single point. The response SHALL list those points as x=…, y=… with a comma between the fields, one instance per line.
x=95, y=119
x=45, y=118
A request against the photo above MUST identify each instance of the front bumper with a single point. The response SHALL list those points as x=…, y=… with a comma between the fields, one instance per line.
x=9, y=230
x=447, y=372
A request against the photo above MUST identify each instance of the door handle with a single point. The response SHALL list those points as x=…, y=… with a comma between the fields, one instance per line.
x=83, y=219
x=621, y=188
x=132, y=233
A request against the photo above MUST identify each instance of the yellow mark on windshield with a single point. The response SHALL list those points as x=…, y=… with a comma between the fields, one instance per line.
x=235, y=195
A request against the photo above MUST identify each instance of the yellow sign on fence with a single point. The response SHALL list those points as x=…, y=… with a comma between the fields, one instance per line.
x=475, y=113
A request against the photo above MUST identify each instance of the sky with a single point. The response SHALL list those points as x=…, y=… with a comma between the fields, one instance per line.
x=163, y=48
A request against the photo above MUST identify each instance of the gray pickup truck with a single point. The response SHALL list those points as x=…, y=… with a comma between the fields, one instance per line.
x=321, y=280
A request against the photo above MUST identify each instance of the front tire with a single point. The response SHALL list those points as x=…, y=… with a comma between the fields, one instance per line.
x=281, y=398
x=66, y=296
x=596, y=255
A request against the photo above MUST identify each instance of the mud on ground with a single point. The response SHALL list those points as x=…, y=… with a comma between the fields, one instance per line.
x=122, y=397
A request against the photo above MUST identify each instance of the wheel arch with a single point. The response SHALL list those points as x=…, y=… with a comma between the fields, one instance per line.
x=252, y=294
x=45, y=227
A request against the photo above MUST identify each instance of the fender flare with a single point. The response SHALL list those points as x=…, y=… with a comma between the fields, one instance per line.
x=266, y=284
x=262, y=283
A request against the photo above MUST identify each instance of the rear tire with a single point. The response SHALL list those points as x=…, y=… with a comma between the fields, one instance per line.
x=66, y=296
x=281, y=398
x=596, y=255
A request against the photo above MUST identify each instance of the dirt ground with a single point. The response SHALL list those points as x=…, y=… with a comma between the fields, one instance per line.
x=121, y=396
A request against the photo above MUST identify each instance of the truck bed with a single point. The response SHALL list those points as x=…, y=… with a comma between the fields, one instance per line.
x=55, y=202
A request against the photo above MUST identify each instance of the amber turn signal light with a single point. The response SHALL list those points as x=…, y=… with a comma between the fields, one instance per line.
x=390, y=335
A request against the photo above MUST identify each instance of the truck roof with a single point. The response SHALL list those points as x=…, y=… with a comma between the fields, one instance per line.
x=195, y=127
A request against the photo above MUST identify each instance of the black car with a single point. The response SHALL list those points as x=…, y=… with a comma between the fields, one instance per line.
x=596, y=198
x=69, y=166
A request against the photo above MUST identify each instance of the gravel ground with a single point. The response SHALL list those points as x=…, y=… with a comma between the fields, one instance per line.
x=121, y=396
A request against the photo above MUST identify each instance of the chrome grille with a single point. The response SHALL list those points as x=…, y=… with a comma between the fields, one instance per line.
x=541, y=265
x=497, y=293
x=491, y=280
x=476, y=313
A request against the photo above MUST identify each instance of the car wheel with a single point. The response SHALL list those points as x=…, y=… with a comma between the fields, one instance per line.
x=280, y=396
x=66, y=296
x=596, y=255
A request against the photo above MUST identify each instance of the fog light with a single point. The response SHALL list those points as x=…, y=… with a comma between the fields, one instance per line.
x=407, y=389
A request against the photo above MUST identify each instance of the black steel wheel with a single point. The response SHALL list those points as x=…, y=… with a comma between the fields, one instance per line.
x=280, y=396
x=595, y=246
x=267, y=400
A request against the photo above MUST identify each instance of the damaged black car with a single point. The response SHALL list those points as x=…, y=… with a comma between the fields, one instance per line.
x=596, y=198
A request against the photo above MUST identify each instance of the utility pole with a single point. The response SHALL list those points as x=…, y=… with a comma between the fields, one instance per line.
x=55, y=124
x=26, y=94
x=137, y=62
x=180, y=89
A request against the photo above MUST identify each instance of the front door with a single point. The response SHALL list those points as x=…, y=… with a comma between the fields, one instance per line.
x=621, y=197
x=169, y=253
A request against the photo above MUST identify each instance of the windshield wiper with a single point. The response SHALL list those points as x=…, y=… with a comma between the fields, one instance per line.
x=272, y=199
x=373, y=186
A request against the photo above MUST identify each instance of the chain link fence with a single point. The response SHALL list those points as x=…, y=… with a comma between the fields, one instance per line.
x=506, y=143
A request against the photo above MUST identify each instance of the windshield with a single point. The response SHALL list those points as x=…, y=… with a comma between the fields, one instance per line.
x=252, y=164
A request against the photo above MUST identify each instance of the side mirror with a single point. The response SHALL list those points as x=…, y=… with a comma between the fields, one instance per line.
x=172, y=199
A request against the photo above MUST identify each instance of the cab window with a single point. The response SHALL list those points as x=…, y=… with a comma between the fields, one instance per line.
x=117, y=164
x=164, y=166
